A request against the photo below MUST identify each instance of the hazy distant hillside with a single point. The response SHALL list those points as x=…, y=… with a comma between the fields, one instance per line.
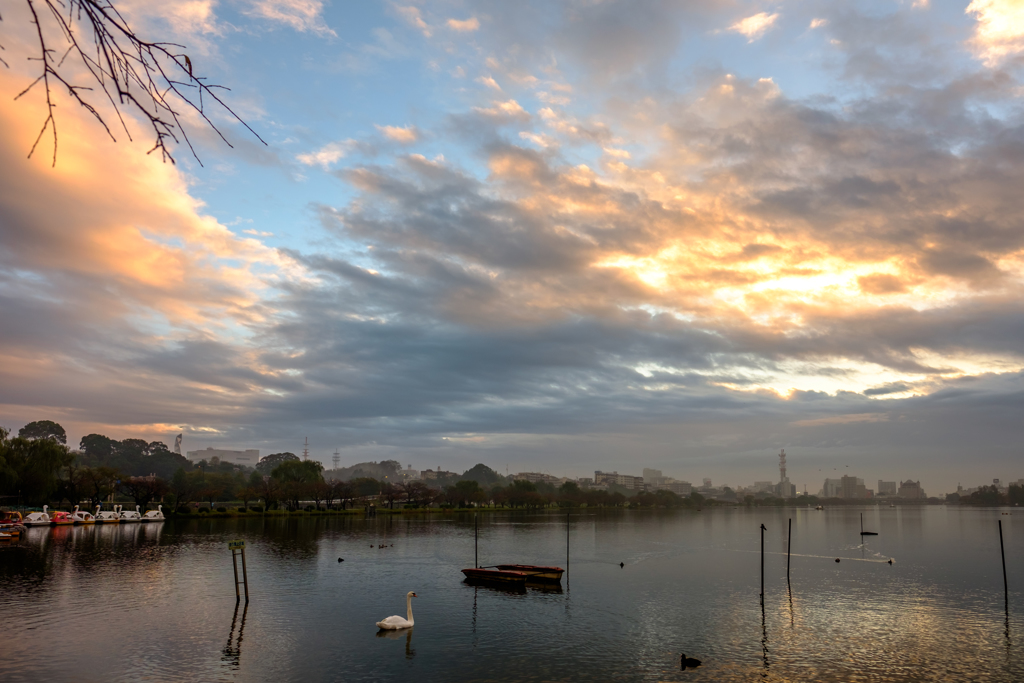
x=376, y=470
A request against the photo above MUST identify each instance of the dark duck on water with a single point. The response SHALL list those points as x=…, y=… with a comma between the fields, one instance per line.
x=688, y=662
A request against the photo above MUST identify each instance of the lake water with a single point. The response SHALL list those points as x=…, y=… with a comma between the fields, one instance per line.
x=138, y=602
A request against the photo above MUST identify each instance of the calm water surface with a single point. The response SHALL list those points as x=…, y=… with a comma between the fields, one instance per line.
x=138, y=602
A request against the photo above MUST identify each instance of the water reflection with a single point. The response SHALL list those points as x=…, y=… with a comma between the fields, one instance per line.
x=231, y=655
x=688, y=584
x=405, y=633
x=764, y=642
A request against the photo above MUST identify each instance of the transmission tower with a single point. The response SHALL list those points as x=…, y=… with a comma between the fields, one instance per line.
x=336, y=459
x=782, y=465
x=305, y=450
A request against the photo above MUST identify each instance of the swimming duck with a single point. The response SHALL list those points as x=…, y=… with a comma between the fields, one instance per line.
x=685, y=662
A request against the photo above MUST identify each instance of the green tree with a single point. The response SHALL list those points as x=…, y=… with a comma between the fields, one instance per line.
x=44, y=429
x=99, y=482
x=247, y=493
x=183, y=487
x=131, y=449
x=145, y=490
x=71, y=482
x=1015, y=494
x=468, y=492
x=267, y=465
x=29, y=467
x=97, y=445
x=483, y=475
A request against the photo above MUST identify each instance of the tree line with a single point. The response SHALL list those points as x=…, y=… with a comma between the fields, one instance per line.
x=37, y=467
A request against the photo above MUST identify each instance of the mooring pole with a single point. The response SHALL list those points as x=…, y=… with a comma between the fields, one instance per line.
x=567, y=513
x=1002, y=554
x=245, y=577
x=762, y=563
x=476, y=541
x=239, y=547
x=789, y=547
x=234, y=565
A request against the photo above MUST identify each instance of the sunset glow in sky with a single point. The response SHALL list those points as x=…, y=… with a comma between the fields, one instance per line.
x=557, y=236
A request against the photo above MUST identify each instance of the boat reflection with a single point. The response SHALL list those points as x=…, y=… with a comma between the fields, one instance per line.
x=507, y=589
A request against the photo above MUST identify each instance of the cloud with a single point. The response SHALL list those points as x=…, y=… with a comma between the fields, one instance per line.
x=301, y=15
x=406, y=135
x=755, y=26
x=464, y=25
x=328, y=155
x=817, y=23
x=999, y=33
x=110, y=266
x=509, y=111
x=414, y=17
x=489, y=82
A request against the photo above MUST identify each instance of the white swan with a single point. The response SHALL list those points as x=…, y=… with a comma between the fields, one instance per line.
x=396, y=622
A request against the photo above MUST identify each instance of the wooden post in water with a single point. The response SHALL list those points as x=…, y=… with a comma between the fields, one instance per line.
x=567, y=513
x=245, y=576
x=1002, y=554
x=476, y=541
x=762, y=563
x=239, y=546
x=789, y=547
x=234, y=565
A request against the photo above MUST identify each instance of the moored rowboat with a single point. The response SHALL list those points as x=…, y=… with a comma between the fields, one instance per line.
x=495, y=576
x=534, y=572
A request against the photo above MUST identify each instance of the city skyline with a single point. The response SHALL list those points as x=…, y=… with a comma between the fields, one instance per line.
x=685, y=235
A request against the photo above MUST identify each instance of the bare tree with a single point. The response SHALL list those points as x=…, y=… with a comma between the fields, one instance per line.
x=153, y=79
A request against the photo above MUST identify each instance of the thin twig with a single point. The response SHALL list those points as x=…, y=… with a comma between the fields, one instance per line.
x=150, y=78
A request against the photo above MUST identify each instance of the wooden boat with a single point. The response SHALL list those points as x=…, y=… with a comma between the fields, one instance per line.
x=495, y=576
x=534, y=572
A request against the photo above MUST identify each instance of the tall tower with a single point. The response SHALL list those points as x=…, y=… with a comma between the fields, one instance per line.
x=336, y=459
x=782, y=466
x=305, y=450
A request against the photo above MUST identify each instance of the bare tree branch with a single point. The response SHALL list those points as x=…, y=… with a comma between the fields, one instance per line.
x=151, y=79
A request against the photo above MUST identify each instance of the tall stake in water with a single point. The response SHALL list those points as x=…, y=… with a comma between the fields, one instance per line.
x=476, y=541
x=762, y=564
x=1002, y=554
x=789, y=547
x=567, y=513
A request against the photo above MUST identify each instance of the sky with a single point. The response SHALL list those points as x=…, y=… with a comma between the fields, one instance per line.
x=551, y=236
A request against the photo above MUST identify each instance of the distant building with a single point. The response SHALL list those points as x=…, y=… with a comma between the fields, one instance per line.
x=886, y=488
x=628, y=481
x=409, y=474
x=585, y=481
x=653, y=477
x=681, y=488
x=785, y=489
x=249, y=458
x=538, y=478
x=763, y=487
x=911, y=490
x=833, y=488
x=429, y=474
x=852, y=487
